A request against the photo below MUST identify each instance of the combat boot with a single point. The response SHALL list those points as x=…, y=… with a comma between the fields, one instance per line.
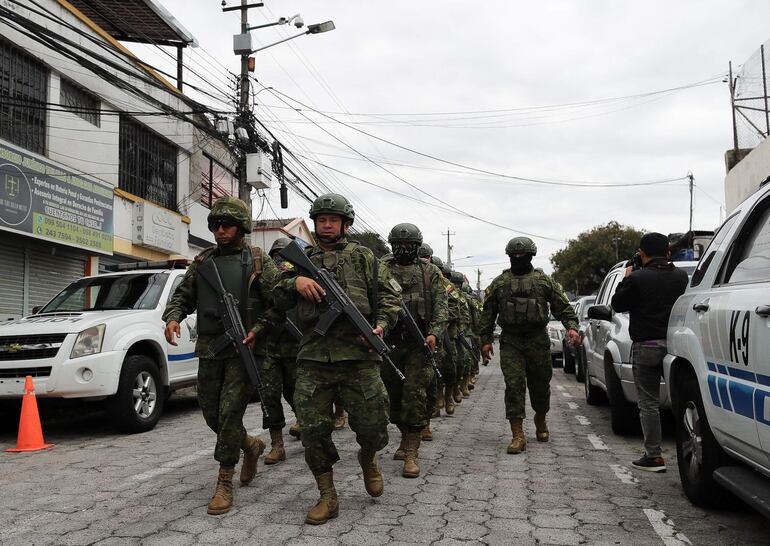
x=541, y=428
x=449, y=403
x=457, y=394
x=339, y=419
x=518, y=441
x=411, y=464
x=252, y=448
x=222, y=500
x=373, y=481
x=327, y=506
x=436, y=412
x=440, y=401
x=400, y=453
x=294, y=431
x=466, y=392
x=427, y=433
x=277, y=451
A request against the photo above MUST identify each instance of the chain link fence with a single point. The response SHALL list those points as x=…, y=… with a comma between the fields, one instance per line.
x=751, y=105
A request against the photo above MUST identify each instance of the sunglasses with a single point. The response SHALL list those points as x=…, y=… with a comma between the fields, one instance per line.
x=226, y=223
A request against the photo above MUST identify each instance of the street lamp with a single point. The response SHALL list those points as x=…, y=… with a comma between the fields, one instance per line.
x=318, y=28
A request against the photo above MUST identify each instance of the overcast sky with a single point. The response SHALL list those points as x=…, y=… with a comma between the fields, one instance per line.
x=432, y=59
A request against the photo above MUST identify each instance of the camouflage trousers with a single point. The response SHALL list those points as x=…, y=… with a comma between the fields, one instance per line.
x=526, y=364
x=357, y=384
x=279, y=374
x=408, y=398
x=431, y=398
x=463, y=360
x=224, y=390
x=448, y=364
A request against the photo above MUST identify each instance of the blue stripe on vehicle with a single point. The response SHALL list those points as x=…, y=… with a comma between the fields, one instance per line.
x=763, y=379
x=722, y=369
x=712, y=381
x=184, y=356
x=742, y=374
x=760, y=403
x=712, y=366
x=742, y=396
x=723, y=395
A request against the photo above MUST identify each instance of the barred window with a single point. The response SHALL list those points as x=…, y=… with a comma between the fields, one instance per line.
x=80, y=102
x=23, y=98
x=148, y=164
x=216, y=181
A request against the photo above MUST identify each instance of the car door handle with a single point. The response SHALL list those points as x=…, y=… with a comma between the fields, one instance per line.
x=763, y=311
x=701, y=307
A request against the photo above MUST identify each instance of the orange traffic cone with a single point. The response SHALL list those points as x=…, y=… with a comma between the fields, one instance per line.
x=30, y=432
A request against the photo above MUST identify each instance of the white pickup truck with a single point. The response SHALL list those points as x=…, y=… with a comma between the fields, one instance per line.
x=102, y=338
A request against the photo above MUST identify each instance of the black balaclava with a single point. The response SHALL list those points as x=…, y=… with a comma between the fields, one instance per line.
x=521, y=265
x=405, y=254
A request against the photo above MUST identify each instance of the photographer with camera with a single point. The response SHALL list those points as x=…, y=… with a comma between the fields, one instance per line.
x=651, y=286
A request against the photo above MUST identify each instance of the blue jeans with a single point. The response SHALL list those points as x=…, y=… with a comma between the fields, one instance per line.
x=647, y=362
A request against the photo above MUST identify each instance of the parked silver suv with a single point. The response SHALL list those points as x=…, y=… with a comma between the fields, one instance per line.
x=607, y=343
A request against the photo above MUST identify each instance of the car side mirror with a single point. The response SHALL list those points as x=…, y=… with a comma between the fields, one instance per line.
x=600, y=312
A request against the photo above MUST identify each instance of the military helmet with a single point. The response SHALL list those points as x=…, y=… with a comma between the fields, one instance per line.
x=425, y=251
x=332, y=203
x=279, y=244
x=232, y=209
x=457, y=278
x=438, y=262
x=446, y=270
x=405, y=233
x=519, y=245
x=467, y=287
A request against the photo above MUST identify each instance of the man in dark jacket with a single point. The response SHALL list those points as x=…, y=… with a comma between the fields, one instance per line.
x=648, y=294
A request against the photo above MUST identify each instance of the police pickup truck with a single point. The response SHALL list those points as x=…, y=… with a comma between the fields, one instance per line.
x=718, y=366
x=101, y=338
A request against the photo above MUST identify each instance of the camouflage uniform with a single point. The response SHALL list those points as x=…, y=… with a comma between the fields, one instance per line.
x=339, y=364
x=425, y=297
x=520, y=303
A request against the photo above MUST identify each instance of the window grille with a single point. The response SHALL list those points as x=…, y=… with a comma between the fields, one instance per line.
x=23, y=98
x=148, y=164
x=216, y=181
x=80, y=102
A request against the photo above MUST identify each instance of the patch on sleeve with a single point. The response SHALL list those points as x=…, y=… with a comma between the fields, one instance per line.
x=394, y=285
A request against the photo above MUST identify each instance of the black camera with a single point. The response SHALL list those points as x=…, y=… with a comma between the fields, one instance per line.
x=636, y=261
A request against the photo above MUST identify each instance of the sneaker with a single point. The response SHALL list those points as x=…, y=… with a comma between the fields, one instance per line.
x=650, y=464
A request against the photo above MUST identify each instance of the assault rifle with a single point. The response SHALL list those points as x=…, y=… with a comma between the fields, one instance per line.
x=235, y=333
x=447, y=341
x=339, y=303
x=464, y=342
x=294, y=332
x=414, y=332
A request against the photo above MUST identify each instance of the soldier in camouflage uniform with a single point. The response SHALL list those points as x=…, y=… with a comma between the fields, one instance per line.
x=340, y=364
x=224, y=388
x=279, y=371
x=450, y=364
x=464, y=327
x=519, y=299
x=425, y=298
x=426, y=255
x=475, y=303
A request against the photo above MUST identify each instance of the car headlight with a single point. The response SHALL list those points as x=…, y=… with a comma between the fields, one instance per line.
x=89, y=342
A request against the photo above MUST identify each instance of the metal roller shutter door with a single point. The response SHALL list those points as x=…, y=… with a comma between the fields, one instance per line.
x=11, y=278
x=50, y=273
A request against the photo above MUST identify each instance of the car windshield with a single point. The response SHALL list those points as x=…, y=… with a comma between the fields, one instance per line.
x=135, y=291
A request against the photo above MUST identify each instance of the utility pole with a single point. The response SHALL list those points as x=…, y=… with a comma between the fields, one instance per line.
x=478, y=282
x=692, y=185
x=449, y=247
x=616, y=240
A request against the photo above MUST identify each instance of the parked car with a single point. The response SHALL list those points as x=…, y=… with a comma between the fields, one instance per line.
x=577, y=353
x=101, y=338
x=718, y=370
x=608, y=373
x=556, y=333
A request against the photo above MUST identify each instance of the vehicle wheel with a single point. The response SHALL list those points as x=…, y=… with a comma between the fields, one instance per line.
x=10, y=413
x=697, y=451
x=624, y=416
x=568, y=357
x=594, y=395
x=555, y=361
x=138, y=404
x=580, y=364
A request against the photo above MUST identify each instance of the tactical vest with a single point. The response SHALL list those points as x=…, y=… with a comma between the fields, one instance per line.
x=349, y=268
x=522, y=301
x=232, y=271
x=415, y=285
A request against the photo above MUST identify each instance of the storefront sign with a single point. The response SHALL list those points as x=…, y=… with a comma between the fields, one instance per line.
x=156, y=227
x=47, y=201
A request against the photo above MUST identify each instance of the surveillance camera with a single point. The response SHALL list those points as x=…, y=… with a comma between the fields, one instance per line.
x=298, y=22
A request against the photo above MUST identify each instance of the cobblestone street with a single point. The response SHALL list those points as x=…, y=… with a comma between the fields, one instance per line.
x=96, y=487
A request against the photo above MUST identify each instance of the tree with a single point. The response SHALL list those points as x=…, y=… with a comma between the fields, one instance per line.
x=582, y=265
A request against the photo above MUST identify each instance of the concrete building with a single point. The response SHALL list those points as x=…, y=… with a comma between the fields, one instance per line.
x=744, y=177
x=101, y=160
x=265, y=232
